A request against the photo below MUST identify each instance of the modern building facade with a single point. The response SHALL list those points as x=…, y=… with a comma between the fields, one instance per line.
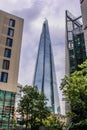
x=75, y=51
x=45, y=77
x=11, y=28
x=84, y=18
x=75, y=43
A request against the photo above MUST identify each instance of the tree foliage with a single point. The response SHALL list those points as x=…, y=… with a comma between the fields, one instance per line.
x=75, y=91
x=53, y=123
x=33, y=106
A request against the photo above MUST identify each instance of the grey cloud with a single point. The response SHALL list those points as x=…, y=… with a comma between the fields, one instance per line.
x=57, y=7
x=57, y=37
x=30, y=14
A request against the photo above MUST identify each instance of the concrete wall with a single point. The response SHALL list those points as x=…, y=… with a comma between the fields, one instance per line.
x=13, y=70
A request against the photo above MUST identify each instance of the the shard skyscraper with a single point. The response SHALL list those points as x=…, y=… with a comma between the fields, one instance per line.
x=45, y=77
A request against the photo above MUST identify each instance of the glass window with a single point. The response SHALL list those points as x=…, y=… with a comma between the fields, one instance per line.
x=1, y=103
x=10, y=32
x=6, y=109
x=4, y=77
x=70, y=36
x=12, y=23
x=71, y=46
x=78, y=41
x=6, y=64
x=9, y=42
x=70, y=26
x=71, y=52
x=7, y=53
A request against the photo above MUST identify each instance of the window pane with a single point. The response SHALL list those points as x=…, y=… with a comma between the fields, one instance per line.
x=10, y=32
x=6, y=64
x=7, y=53
x=70, y=36
x=9, y=42
x=12, y=23
x=6, y=110
x=4, y=77
x=71, y=46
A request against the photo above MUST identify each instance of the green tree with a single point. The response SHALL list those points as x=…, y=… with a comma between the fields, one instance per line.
x=32, y=106
x=42, y=110
x=53, y=123
x=14, y=122
x=75, y=91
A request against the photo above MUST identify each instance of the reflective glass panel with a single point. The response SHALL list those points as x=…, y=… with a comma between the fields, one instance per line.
x=45, y=77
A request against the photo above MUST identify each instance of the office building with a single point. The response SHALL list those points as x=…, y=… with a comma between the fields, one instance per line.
x=84, y=18
x=45, y=77
x=11, y=28
x=75, y=51
x=75, y=44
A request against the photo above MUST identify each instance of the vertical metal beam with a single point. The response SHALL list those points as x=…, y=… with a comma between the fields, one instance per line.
x=43, y=77
x=51, y=83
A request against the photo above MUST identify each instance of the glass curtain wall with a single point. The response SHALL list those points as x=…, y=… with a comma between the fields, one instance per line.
x=75, y=44
x=45, y=77
x=7, y=100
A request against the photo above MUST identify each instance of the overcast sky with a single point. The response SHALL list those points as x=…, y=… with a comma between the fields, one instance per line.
x=34, y=12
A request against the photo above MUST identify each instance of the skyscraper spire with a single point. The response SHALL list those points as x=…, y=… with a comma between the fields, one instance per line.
x=45, y=77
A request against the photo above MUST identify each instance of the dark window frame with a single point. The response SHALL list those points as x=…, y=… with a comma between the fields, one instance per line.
x=9, y=42
x=10, y=32
x=7, y=53
x=12, y=23
x=6, y=64
x=4, y=77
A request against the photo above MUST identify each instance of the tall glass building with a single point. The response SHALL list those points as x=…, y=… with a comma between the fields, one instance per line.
x=45, y=77
x=75, y=43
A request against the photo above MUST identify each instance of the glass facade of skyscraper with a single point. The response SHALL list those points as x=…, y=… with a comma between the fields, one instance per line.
x=75, y=44
x=45, y=77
